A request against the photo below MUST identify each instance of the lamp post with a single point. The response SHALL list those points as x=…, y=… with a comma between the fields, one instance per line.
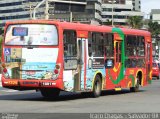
x=112, y=2
x=70, y=12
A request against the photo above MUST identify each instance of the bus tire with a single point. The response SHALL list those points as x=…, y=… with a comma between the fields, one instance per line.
x=97, y=87
x=50, y=93
x=136, y=87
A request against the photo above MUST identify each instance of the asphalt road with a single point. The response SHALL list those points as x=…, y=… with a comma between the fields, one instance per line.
x=147, y=100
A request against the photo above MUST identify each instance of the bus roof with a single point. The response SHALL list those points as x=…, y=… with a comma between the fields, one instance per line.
x=83, y=27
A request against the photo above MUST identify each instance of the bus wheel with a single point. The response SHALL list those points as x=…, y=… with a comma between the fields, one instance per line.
x=136, y=88
x=158, y=77
x=50, y=93
x=97, y=87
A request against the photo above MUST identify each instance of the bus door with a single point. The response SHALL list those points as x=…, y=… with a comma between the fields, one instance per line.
x=118, y=61
x=80, y=80
x=113, y=61
x=74, y=74
x=148, y=66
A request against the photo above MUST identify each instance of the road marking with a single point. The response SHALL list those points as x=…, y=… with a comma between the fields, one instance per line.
x=9, y=91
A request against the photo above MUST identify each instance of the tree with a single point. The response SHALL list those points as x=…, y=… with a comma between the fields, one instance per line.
x=108, y=22
x=154, y=28
x=135, y=22
x=1, y=31
x=0, y=49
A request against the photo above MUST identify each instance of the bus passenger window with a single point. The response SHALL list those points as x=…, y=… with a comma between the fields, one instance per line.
x=96, y=45
x=135, y=51
x=140, y=46
x=70, y=49
x=109, y=50
x=131, y=42
x=70, y=44
x=109, y=45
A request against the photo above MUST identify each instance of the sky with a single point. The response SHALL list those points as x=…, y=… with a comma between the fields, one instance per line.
x=147, y=5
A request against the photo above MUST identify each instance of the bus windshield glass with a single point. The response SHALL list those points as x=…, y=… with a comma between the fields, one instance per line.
x=31, y=34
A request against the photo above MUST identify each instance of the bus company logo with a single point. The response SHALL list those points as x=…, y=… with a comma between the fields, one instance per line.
x=45, y=40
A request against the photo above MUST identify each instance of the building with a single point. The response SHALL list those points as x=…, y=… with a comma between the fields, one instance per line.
x=12, y=10
x=155, y=15
x=90, y=13
x=23, y=9
x=136, y=5
x=118, y=11
x=85, y=11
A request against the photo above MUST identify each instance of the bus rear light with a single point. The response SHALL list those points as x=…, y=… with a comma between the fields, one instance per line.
x=5, y=73
x=4, y=70
x=56, y=71
x=3, y=65
x=57, y=66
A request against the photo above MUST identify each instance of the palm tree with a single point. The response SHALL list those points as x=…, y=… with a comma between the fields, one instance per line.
x=135, y=22
x=154, y=28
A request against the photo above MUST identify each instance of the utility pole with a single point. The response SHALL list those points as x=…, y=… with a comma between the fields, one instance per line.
x=46, y=10
x=29, y=6
x=112, y=3
x=70, y=12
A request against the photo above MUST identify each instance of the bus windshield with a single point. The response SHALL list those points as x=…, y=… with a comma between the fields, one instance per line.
x=31, y=34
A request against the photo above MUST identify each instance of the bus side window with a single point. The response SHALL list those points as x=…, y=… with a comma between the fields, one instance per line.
x=135, y=51
x=70, y=49
x=90, y=44
x=96, y=44
x=140, y=46
x=96, y=50
x=109, y=50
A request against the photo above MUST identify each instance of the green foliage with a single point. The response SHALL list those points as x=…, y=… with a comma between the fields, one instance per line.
x=1, y=31
x=108, y=22
x=135, y=22
x=0, y=46
x=154, y=28
x=1, y=38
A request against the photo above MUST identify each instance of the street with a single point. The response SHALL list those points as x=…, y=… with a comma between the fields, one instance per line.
x=147, y=100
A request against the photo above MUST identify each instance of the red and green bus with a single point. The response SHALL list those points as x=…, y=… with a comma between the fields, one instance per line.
x=53, y=56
